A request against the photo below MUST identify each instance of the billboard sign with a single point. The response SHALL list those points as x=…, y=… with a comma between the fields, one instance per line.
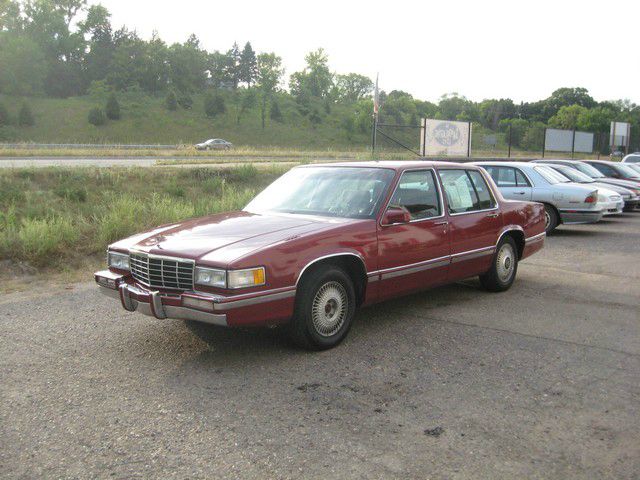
x=556, y=140
x=441, y=137
x=619, y=134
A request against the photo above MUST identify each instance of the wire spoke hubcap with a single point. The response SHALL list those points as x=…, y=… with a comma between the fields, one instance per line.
x=505, y=262
x=329, y=308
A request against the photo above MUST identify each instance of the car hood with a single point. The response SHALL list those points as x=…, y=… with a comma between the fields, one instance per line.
x=222, y=238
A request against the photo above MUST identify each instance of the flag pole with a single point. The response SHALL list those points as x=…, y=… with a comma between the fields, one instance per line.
x=374, y=129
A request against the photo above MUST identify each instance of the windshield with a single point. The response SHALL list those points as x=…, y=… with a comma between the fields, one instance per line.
x=588, y=170
x=551, y=176
x=626, y=170
x=326, y=191
x=573, y=174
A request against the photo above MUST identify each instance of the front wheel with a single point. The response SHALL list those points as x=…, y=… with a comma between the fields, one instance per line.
x=503, y=269
x=550, y=219
x=324, y=311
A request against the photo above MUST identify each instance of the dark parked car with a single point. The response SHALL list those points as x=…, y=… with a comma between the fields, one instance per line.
x=214, y=144
x=323, y=240
x=615, y=170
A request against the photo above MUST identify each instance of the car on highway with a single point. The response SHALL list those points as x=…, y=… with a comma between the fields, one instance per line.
x=615, y=170
x=632, y=158
x=214, y=144
x=564, y=203
x=611, y=197
x=323, y=240
x=600, y=178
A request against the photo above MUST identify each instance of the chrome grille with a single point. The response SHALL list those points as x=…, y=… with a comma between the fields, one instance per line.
x=162, y=272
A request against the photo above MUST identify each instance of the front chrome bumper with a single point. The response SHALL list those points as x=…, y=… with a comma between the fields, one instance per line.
x=152, y=303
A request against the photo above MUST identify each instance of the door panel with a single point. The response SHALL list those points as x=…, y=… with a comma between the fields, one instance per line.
x=474, y=222
x=413, y=256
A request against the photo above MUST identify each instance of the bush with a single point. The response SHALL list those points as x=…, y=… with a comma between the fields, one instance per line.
x=4, y=116
x=172, y=101
x=97, y=117
x=113, y=108
x=185, y=101
x=25, y=118
x=214, y=105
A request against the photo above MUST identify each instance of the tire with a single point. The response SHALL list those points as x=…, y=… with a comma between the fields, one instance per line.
x=324, y=310
x=551, y=219
x=504, y=267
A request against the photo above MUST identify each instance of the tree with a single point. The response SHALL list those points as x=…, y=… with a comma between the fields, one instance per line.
x=492, y=111
x=452, y=105
x=97, y=117
x=274, y=112
x=172, y=101
x=247, y=100
x=567, y=117
x=25, y=117
x=155, y=74
x=353, y=87
x=565, y=97
x=187, y=66
x=112, y=109
x=97, y=30
x=23, y=65
x=269, y=76
x=597, y=120
x=4, y=116
x=232, y=67
x=315, y=80
x=248, y=65
x=214, y=105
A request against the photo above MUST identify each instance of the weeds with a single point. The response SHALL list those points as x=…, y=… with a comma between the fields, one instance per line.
x=60, y=217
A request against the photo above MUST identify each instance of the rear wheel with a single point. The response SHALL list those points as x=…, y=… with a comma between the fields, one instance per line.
x=324, y=311
x=503, y=270
x=550, y=219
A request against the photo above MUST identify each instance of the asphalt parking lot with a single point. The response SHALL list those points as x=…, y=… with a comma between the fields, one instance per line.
x=542, y=381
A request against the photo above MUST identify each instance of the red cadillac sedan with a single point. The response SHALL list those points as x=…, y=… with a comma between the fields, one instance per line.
x=323, y=240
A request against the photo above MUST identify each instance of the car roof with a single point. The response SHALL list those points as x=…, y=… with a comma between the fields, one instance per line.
x=505, y=164
x=391, y=164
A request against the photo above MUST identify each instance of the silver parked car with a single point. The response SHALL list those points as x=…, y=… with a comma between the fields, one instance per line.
x=564, y=202
x=632, y=158
x=611, y=199
x=630, y=204
x=214, y=144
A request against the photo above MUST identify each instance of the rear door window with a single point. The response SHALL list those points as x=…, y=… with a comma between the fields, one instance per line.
x=466, y=191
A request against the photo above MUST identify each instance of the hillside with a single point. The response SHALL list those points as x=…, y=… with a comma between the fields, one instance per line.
x=146, y=120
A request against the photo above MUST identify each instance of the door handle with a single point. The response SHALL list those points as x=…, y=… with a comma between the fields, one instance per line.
x=519, y=193
x=492, y=215
x=441, y=222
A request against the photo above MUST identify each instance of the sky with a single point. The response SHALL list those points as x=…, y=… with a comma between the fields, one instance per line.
x=518, y=49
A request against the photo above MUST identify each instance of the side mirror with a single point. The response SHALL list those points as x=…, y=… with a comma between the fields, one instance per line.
x=395, y=215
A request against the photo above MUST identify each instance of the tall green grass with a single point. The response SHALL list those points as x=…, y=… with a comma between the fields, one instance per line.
x=57, y=217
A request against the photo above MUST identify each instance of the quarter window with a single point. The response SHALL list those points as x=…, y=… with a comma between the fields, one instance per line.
x=466, y=191
x=417, y=193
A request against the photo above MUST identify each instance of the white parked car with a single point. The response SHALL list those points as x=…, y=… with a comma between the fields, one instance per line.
x=632, y=158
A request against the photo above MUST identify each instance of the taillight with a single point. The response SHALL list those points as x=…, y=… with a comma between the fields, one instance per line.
x=592, y=198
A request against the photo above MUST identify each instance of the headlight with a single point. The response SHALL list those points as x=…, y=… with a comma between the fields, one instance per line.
x=118, y=260
x=211, y=277
x=251, y=277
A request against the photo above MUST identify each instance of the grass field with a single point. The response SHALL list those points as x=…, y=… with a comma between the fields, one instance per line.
x=61, y=219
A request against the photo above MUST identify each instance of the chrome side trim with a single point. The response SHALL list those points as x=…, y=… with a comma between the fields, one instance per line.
x=535, y=238
x=359, y=257
x=436, y=263
x=254, y=300
x=511, y=228
x=471, y=254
